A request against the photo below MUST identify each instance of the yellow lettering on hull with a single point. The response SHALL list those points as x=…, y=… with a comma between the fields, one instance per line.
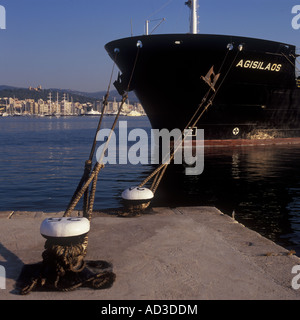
x=259, y=65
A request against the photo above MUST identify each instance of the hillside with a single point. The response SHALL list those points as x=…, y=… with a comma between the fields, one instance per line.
x=78, y=96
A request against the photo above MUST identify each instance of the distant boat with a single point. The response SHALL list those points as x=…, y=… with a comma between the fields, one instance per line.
x=134, y=113
x=93, y=113
x=5, y=114
x=114, y=113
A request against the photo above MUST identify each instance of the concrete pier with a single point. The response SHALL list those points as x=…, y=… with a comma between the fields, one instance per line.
x=172, y=253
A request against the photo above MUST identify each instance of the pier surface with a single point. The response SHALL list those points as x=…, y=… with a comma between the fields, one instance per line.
x=172, y=253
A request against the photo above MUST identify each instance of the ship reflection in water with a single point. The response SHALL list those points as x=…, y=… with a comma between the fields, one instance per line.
x=260, y=184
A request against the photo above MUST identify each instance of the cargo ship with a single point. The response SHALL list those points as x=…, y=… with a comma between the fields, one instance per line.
x=256, y=97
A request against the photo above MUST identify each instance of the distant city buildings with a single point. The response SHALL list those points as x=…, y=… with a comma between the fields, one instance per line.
x=39, y=88
x=65, y=106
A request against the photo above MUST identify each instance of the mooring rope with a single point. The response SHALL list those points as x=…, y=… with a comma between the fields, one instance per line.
x=63, y=266
x=293, y=64
x=210, y=102
x=88, y=163
x=159, y=172
x=88, y=175
x=124, y=98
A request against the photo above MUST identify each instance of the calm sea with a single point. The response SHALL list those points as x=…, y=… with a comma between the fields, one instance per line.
x=42, y=160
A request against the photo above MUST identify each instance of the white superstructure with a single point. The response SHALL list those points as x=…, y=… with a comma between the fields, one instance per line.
x=193, y=5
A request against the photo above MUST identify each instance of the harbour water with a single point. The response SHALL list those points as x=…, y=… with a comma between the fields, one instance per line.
x=42, y=160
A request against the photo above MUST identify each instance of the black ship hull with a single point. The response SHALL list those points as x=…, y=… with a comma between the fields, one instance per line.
x=257, y=98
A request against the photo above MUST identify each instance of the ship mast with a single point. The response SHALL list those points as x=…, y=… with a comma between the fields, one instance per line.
x=192, y=4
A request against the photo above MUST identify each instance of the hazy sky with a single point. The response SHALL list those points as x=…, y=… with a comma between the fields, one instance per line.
x=60, y=43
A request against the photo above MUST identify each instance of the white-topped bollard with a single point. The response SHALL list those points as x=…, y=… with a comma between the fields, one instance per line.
x=137, y=193
x=137, y=198
x=65, y=229
x=63, y=267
